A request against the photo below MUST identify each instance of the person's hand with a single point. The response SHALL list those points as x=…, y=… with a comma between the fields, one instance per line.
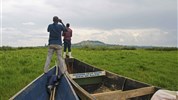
x=60, y=21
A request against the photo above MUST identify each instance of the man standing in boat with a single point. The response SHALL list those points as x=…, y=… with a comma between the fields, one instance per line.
x=67, y=41
x=55, y=43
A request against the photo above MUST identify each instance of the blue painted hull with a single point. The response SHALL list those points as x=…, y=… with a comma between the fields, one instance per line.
x=37, y=90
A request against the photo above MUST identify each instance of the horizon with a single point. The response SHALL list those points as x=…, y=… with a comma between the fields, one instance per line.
x=94, y=41
x=137, y=22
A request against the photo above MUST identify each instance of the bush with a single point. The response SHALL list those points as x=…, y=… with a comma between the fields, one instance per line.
x=5, y=48
x=163, y=48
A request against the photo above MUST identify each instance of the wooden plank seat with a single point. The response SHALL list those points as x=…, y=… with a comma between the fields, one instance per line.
x=124, y=95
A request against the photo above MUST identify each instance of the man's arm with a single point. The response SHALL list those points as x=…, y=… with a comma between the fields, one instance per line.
x=63, y=33
x=71, y=33
x=48, y=28
x=64, y=28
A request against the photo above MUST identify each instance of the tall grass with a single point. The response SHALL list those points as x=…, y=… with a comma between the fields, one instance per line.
x=159, y=68
x=20, y=66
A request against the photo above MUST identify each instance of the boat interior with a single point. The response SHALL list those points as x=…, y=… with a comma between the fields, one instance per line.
x=104, y=85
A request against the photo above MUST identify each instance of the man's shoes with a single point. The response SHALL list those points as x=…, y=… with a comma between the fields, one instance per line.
x=64, y=55
x=70, y=55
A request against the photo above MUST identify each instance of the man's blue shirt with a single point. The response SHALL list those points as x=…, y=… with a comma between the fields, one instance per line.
x=55, y=31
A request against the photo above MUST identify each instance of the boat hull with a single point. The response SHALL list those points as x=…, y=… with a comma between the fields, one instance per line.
x=37, y=89
x=93, y=84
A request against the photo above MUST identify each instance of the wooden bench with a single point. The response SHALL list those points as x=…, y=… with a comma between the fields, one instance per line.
x=124, y=95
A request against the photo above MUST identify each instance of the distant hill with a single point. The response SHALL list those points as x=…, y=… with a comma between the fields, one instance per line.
x=90, y=43
x=93, y=44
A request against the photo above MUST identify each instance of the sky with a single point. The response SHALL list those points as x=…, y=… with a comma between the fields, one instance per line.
x=123, y=22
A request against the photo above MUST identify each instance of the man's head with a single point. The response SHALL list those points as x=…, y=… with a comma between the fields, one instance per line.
x=67, y=25
x=55, y=19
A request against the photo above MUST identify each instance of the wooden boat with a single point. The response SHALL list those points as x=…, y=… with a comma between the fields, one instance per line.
x=91, y=83
x=37, y=89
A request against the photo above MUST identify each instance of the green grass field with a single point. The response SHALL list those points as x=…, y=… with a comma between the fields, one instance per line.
x=18, y=67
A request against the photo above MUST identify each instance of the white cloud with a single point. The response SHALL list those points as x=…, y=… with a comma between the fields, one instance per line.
x=28, y=23
x=132, y=22
x=150, y=37
x=24, y=37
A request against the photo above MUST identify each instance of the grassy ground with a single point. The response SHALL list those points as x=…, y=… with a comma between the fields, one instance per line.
x=158, y=68
x=18, y=67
